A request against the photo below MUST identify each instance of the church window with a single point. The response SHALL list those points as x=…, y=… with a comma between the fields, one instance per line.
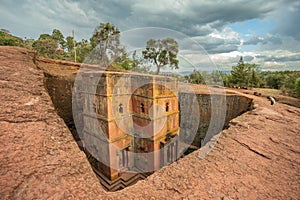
x=143, y=108
x=120, y=108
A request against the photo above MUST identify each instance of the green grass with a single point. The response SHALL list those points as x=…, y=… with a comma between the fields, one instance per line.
x=267, y=91
x=278, y=96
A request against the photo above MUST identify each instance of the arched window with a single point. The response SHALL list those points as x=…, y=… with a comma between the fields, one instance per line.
x=167, y=107
x=94, y=108
x=120, y=108
x=142, y=107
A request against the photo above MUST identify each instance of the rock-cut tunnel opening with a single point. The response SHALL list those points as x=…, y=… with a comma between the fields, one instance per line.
x=60, y=86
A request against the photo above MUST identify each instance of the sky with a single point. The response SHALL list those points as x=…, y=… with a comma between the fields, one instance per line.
x=263, y=32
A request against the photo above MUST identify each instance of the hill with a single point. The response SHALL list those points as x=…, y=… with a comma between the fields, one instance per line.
x=6, y=39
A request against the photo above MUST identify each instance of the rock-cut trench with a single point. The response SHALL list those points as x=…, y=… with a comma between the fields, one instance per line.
x=59, y=82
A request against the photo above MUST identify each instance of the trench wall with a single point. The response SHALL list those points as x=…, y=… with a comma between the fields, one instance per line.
x=212, y=114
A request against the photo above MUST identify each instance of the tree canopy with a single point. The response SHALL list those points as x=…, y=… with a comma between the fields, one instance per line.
x=106, y=45
x=59, y=37
x=70, y=43
x=46, y=46
x=161, y=53
x=245, y=74
x=297, y=87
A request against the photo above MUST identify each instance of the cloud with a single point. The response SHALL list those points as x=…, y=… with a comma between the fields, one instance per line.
x=204, y=21
x=222, y=41
x=255, y=39
x=274, y=66
x=31, y=18
x=248, y=58
x=280, y=57
x=198, y=17
x=267, y=60
x=192, y=17
x=287, y=43
x=287, y=23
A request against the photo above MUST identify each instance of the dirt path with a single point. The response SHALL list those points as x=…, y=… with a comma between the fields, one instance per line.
x=258, y=157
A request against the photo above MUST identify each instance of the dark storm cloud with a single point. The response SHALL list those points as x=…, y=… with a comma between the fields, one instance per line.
x=195, y=17
x=288, y=20
x=192, y=17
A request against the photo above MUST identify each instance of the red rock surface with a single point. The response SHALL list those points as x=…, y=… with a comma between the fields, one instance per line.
x=38, y=156
x=258, y=157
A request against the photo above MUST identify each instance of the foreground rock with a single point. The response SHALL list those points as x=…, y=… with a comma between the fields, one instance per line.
x=258, y=157
x=38, y=156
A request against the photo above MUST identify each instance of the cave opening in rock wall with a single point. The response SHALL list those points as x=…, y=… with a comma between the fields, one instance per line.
x=60, y=90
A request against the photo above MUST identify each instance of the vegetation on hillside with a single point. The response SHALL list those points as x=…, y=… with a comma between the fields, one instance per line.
x=297, y=87
x=104, y=47
x=245, y=75
x=6, y=39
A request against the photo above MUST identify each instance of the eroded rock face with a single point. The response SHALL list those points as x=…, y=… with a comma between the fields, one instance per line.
x=214, y=111
x=257, y=157
x=38, y=156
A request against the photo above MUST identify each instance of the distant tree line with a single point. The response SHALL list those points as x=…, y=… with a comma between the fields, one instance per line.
x=287, y=81
x=245, y=75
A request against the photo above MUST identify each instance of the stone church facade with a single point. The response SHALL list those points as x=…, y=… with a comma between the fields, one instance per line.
x=131, y=123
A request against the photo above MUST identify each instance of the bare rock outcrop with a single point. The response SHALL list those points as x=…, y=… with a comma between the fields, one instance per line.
x=39, y=158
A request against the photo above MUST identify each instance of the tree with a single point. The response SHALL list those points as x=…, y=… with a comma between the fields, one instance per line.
x=297, y=88
x=162, y=52
x=226, y=79
x=283, y=80
x=45, y=36
x=289, y=82
x=106, y=44
x=70, y=43
x=245, y=75
x=46, y=46
x=83, y=48
x=216, y=77
x=195, y=77
x=274, y=80
x=254, y=79
x=59, y=37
